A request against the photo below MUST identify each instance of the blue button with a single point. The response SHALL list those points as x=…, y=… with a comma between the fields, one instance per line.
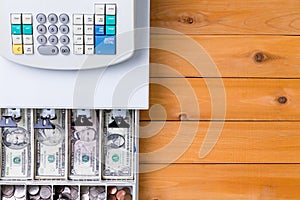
x=105, y=45
x=99, y=30
x=16, y=29
x=27, y=29
x=110, y=20
x=110, y=30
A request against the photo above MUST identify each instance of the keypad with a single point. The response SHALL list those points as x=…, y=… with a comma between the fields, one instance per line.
x=95, y=34
x=21, y=33
x=92, y=33
x=53, y=32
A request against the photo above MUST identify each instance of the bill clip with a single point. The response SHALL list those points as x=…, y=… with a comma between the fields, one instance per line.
x=82, y=117
x=8, y=120
x=44, y=121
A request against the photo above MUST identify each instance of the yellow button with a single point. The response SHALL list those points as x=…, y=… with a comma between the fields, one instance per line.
x=17, y=49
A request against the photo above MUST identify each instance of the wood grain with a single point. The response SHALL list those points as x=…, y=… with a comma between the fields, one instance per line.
x=188, y=181
x=227, y=16
x=233, y=56
x=223, y=99
x=239, y=142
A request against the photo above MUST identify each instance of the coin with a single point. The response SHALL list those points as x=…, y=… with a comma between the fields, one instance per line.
x=84, y=197
x=93, y=191
x=120, y=194
x=111, y=197
x=8, y=198
x=34, y=197
x=128, y=197
x=84, y=190
x=59, y=189
x=21, y=198
x=74, y=192
x=8, y=190
x=19, y=191
x=33, y=190
x=66, y=196
x=45, y=192
x=127, y=190
x=112, y=190
x=101, y=196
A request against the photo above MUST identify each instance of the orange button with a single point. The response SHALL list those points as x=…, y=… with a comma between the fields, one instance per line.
x=17, y=49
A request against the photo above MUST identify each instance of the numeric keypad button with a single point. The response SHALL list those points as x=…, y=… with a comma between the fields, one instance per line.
x=42, y=39
x=65, y=50
x=64, y=39
x=41, y=29
x=64, y=29
x=52, y=18
x=64, y=18
x=41, y=18
x=53, y=29
x=53, y=39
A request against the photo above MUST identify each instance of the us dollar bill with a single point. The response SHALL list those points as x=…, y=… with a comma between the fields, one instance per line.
x=84, y=144
x=118, y=144
x=50, y=144
x=16, y=144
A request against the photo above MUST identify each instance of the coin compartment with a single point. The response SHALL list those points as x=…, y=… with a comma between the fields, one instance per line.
x=35, y=192
x=10, y=192
x=93, y=192
x=115, y=192
x=66, y=192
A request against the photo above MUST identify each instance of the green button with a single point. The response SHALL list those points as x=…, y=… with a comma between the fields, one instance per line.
x=110, y=30
x=110, y=20
x=27, y=29
x=16, y=29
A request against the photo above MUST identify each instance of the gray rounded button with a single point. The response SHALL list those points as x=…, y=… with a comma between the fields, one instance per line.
x=52, y=18
x=41, y=29
x=53, y=29
x=64, y=39
x=53, y=39
x=64, y=18
x=48, y=50
x=42, y=39
x=41, y=18
x=65, y=50
x=64, y=29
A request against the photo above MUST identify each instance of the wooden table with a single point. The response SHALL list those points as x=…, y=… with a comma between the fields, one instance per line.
x=224, y=118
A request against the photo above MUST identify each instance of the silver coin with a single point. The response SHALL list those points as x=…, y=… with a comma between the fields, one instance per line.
x=84, y=197
x=59, y=189
x=8, y=190
x=74, y=193
x=93, y=191
x=19, y=191
x=33, y=190
x=22, y=198
x=8, y=198
x=100, y=189
x=34, y=197
x=66, y=196
x=101, y=196
x=45, y=192
x=67, y=190
x=84, y=190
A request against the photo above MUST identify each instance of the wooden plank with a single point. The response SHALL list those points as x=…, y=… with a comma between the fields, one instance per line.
x=231, y=142
x=223, y=99
x=233, y=56
x=227, y=16
x=190, y=181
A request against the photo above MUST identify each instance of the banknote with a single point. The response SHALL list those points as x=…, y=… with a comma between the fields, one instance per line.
x=50, y=144
x=84, y=144
x=16, y=143
x=118, y=136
